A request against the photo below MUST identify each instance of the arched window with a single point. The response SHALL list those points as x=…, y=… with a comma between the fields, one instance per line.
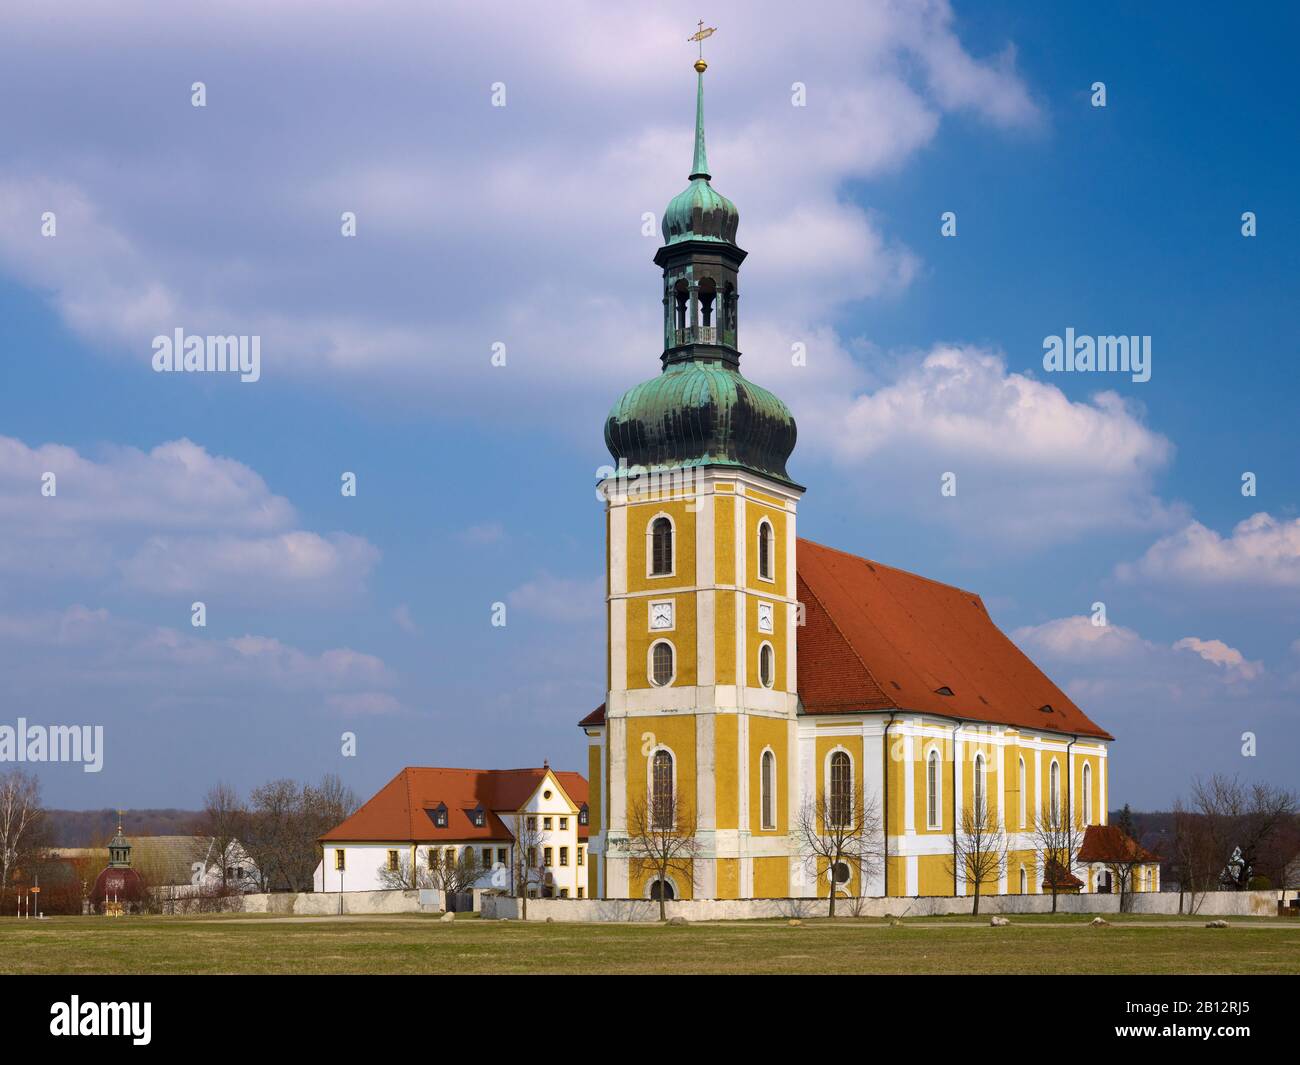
x=1023, y=793
x=681, y=304
x=707, y=294
x=661, y=789
x=661, y=889
x=1054, y=792
x=932, y=819
x=841, y=797
x=729, y=314
x=767, y=789
x=766, y=665
x=1087, y=793
x=981, y=814
x=661, y=547
x=661, y=664
x=766, y=545
x=1024, y=881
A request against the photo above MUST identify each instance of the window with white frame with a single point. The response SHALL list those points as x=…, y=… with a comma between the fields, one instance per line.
x=840, y=807
x=662, y=665
x=766, y=665
x=1023, y=793
x=932, y=784
x=1087, y=793
x=766, y=550
x=767, y=789
x=981, y=812
x=1054, y=791
x=661, y=547
x=661, y=789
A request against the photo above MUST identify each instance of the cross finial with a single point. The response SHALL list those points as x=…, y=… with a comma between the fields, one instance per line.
x=698, y=37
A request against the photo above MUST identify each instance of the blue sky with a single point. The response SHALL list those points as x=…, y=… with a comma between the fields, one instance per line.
x=522, y=225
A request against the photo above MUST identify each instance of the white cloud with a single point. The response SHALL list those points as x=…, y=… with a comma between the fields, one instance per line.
x=1104, y=663
x=1031, y=464
x=1262, y=551
x=93, y=647
x=596, y=132
x=172, y=520
x=560, y=598
x=1231, y=661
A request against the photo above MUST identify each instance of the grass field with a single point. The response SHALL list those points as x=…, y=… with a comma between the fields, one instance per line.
x=422, y=944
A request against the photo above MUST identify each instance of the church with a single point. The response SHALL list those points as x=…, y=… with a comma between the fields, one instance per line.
x=754, y=675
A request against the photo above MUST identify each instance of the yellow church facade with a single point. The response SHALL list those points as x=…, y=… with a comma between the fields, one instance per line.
x=751, y=673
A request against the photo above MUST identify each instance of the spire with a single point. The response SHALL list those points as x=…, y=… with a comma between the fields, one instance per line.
x=700, y=165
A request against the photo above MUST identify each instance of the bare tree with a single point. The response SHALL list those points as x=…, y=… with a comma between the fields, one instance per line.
x=21, y=820
x=527, y=865
x=838, y=832
x=1121, y=873
x=1242, y=818
x=221, y=823
x=285, y=821
x=662, y=841
x=1057, y=837
x=979, y=848
x=451, y=870
x=1194, y=861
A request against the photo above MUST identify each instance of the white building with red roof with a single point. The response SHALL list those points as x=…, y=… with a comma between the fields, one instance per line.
x=426, y=817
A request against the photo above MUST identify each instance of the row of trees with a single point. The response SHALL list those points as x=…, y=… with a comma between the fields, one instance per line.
x=1233, y=836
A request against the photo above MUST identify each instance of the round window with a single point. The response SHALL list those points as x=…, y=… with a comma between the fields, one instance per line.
x=546, y=795
x=842, y=873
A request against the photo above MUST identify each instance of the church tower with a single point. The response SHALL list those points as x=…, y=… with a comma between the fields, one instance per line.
x=699, y=720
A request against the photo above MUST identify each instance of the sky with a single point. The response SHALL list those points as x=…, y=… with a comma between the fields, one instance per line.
x=500, y=166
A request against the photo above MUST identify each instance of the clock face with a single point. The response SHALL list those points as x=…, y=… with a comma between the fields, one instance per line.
x=661, y=615
x=764, y=617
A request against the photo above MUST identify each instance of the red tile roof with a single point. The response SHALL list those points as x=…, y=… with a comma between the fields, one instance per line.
x=1064, y=878
x=402, y=810
x=879, y=638
x=1108, y=843
x=596, y=717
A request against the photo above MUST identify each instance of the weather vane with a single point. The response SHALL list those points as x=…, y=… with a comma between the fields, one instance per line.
x=699, y=37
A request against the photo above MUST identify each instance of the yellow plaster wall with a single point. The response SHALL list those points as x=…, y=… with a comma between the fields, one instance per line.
x=756, y=511
x=682, y=637
x=675, y=733
x=755, y=639
x=772, y=878
x=728, y=878
x=726, y=770
x=767, y=732
x=595, y=792
x=639, y=517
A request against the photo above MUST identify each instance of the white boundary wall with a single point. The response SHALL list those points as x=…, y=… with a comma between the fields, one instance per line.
x=1212, y=904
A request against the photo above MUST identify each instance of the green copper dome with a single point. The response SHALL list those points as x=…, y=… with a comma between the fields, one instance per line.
x=701, y=414
x=699, y=212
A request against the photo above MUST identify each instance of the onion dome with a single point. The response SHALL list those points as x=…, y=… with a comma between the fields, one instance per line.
x=699, y=212
x=701, y=414
x=118, y=882
x=700, y=411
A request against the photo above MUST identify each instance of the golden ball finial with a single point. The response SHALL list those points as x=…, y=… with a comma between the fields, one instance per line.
x=701, y=65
